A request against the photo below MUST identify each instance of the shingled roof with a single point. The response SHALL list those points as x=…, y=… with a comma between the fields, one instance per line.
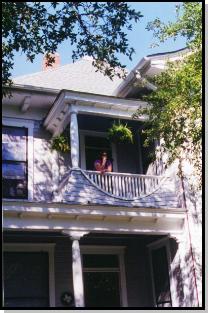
x=78, y=76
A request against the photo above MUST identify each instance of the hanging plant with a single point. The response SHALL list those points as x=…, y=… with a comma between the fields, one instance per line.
x=60, y=143
x=120, y=133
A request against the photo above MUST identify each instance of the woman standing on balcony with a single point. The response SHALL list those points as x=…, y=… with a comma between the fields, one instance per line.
x=103, y=164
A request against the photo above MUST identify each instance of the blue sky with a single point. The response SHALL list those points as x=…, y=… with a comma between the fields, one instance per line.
x=139, y=38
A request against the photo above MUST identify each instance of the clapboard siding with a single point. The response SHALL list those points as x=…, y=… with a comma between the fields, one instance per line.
x=49, y=166
x=63, y=268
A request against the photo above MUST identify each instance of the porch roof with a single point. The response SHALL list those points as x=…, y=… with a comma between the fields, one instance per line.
x=87, y=103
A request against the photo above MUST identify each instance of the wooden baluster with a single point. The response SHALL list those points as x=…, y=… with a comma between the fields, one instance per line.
x=142, y=185
x=102, y=182
x=146, y=184
x=113, y=184
x=96, y=179
x=110, y=183
x=136, y=186
x=129, y=187
x=139, y=186
x=133, y=187
x=106, y=182
x=116, y=185
x=150, y=184
x=99, y=180
x=93, y=177
x=119, y=186
x=123, y=186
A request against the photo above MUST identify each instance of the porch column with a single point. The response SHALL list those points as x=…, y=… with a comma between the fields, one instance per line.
x=74, y=138
x=77, y=267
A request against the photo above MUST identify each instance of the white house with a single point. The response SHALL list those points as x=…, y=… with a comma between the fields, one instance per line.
x=72, y=236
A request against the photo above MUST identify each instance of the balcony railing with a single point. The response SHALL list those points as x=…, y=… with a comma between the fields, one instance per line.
x=124, y=186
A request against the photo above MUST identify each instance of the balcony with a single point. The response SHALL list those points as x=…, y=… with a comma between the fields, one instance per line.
x=87, y=120
x=123, y=185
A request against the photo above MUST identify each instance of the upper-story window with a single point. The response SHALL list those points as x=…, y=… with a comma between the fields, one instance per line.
x=15, y=165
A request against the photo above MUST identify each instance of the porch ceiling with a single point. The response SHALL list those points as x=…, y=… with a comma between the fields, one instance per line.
x=85, y=103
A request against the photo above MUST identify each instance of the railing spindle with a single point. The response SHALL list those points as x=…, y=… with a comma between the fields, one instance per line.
x=128, y=186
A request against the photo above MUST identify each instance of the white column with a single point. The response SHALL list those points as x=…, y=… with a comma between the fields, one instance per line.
x=74, y=138
x=77, y=267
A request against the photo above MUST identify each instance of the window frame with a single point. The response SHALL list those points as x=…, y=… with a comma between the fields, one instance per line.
x=92, y=133
x=115, y=250
x=164, y=242
x=38, y=247
x=19, y=162
x=29, y=125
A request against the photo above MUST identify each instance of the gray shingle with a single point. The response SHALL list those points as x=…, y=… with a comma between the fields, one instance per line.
x=78, y=76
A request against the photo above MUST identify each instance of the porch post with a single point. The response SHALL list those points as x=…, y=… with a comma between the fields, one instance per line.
x=74, y=138
x=77, y=267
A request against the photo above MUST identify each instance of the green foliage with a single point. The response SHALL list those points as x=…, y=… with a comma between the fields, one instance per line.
x=120, y=133
x=175, y=110
x=188, y=24
x=93, y=28
x=60, y=143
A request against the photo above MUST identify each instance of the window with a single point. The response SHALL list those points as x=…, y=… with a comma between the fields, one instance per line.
x=159, y=262
x=104, y=276
x=31, y=270
x=30, y=266
x=91, y=145
x=161, y=277
x=14, y=165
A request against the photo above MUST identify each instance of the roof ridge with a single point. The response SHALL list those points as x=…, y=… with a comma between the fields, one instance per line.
x=167, y=52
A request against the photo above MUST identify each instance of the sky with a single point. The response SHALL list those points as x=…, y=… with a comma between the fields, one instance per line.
x=139, y=38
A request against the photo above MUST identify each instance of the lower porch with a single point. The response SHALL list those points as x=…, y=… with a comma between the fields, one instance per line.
x=117, y=270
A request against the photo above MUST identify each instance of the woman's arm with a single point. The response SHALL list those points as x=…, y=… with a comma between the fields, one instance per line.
x=97, y=166
x=109, y=168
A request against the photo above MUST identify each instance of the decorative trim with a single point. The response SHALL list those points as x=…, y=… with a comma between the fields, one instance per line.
x=30, y=125
x=42, y=206
x=26, y=104
x=91, y=104
x=48, y=247
x=75, y=235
